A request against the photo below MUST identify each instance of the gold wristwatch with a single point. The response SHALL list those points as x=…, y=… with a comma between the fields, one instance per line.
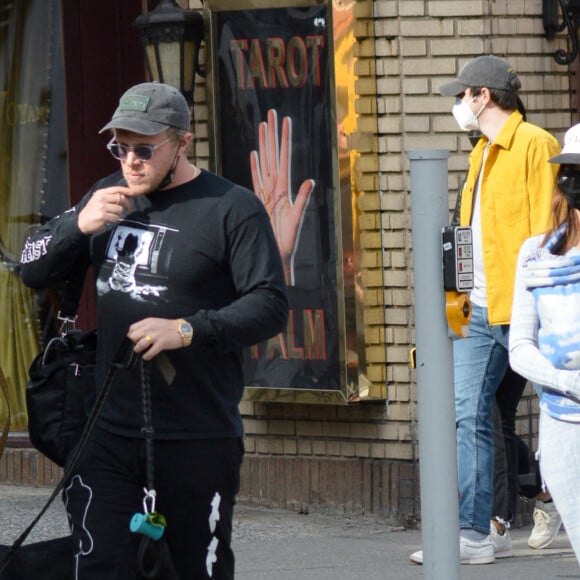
x=185, y=331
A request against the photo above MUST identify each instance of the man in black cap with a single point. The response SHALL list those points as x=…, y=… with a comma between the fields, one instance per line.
x=506, y=198
x=186, y=267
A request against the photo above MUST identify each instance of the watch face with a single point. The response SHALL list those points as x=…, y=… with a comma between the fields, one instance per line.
x=185, y=328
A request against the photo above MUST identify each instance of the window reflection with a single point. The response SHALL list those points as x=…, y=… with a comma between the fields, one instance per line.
x=33, y=183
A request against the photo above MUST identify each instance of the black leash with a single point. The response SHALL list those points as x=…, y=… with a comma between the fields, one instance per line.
x=153, y=557
x=124, y=358
x=147, y=428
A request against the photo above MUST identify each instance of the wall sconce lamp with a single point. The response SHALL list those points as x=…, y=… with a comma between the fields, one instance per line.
x=171, y=38
x=571, y=19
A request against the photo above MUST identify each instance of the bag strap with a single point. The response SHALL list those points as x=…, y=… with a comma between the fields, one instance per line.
x=71, y=299
x=6, y=427
x=125, y=358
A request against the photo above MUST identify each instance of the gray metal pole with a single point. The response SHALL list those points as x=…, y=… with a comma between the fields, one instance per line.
x=436, y=404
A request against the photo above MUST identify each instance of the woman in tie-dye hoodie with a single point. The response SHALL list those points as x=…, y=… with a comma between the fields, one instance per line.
x=545, y=336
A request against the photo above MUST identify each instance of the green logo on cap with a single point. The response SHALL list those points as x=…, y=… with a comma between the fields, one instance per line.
x=134, y=103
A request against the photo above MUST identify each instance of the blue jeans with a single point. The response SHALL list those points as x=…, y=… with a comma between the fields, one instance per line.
x=480, y=361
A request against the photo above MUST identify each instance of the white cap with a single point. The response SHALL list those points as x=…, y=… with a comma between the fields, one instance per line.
x=570, y=154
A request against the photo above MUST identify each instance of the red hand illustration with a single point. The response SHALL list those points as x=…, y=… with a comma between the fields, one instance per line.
x=271, y=170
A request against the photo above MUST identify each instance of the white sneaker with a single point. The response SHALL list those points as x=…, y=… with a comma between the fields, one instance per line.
x=547, y=524
x=470, y=552
x=502, y=544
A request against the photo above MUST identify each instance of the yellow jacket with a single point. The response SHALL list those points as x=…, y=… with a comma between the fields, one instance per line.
x=516, y=196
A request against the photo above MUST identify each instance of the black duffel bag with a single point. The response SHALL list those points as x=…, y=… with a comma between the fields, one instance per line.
x=61, y=392
x=48, y=560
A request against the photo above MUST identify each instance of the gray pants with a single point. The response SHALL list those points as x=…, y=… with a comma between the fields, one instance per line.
x=560, y=466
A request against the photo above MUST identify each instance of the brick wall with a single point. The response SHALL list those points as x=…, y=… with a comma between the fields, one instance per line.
x=420, y=45
x=24, y=466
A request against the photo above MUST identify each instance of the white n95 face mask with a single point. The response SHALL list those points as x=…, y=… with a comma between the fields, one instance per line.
x=465, y=117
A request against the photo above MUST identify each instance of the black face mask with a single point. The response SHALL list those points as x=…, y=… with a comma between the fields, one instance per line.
x=474, y=136
x=568, y=181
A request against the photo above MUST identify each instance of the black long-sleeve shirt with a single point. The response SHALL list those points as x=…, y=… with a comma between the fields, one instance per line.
x=203, y=251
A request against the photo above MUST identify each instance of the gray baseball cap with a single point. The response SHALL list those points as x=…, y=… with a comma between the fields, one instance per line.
x=487, y=71
x=150, y=109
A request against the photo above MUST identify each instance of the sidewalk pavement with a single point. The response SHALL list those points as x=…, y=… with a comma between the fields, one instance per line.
x=272, y=544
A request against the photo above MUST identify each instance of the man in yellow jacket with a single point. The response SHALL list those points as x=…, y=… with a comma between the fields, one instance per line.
x=506, y=198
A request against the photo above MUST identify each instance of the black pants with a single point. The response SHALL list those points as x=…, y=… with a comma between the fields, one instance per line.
x=196, y=484
x=505, y=484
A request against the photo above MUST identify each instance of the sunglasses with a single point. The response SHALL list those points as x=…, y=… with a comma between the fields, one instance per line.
x=142, y=152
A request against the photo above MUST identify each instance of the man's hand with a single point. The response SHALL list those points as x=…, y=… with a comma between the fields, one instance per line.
x=106, y=206
x=271, y=169
x=154, y=335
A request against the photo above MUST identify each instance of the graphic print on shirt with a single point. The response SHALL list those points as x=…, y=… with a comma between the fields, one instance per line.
x=137, y=261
